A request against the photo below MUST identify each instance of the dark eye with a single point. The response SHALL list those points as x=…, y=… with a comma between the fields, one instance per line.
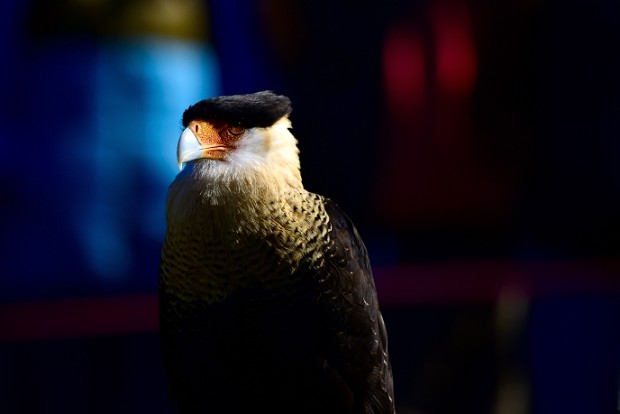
x=236, y=130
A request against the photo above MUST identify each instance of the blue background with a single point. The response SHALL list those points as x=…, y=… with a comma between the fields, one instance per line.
x=476, y=146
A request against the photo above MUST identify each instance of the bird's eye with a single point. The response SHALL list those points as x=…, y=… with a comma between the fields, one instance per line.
x=236, y=130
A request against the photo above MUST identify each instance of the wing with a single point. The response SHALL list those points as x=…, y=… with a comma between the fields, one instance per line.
x=356, y=341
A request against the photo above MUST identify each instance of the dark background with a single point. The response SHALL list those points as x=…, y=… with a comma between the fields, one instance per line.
x=475, y=144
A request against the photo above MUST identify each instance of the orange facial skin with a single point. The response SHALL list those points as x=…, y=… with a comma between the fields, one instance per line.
x=215, y=136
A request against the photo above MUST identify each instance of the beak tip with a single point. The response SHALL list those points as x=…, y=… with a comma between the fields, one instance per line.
x=188, y=147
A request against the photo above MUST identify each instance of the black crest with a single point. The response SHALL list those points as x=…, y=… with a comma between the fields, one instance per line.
x=259, y=109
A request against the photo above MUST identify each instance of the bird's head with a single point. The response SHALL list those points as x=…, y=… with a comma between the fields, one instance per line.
x=239, y=136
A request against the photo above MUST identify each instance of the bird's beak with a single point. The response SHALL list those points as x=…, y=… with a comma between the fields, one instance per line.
x=201, y=139
x=189, y=147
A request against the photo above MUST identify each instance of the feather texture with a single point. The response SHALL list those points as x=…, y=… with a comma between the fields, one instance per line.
x=267, y=301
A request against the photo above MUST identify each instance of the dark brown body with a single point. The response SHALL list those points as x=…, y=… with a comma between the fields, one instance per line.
x=270, y=306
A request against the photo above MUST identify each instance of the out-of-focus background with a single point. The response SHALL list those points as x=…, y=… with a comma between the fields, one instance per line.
x=476, y=145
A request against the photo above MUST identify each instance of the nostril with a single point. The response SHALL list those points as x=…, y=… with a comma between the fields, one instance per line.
x=196, y=127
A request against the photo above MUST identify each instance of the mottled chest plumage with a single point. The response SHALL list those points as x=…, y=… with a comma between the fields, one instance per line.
x=213, y=249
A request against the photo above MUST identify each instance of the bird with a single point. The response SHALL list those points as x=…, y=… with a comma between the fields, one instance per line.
x=266, y=293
